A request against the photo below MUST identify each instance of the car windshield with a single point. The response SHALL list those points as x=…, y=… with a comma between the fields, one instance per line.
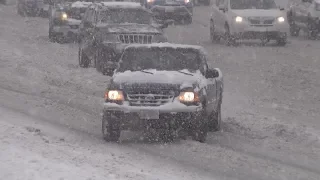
x=117, y=16
x=76, y=13
x=253, y=4
x=160, y=59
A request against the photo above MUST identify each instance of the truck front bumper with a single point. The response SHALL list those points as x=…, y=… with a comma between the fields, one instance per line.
x=130, y=117
x=247, y=31
x=67, y=32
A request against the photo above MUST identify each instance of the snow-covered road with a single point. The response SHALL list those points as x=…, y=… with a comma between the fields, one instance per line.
x=271, y=119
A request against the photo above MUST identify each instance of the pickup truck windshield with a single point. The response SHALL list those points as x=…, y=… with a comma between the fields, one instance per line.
x=253, y=4
x=118, y=16
x=161, y=59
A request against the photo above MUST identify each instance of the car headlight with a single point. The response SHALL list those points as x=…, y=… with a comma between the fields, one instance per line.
x=186, y=1
x=114, y=95
x=238, y=19
x=281, y=19
x=149, y=1
x=64, y=16
x=188, y=97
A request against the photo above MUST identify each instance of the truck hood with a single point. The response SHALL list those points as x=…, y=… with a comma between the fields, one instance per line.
x=258, y=13
x=130, y=28
x=161, y=78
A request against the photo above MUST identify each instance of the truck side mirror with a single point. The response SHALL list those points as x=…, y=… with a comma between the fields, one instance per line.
x=212, y=73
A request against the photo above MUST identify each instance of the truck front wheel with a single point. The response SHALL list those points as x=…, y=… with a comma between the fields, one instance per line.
x=110, y=128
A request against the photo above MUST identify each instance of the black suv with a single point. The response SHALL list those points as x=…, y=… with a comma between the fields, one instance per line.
x=65, y=19
x=164, y=87
x=107, y=27
x=3, y=2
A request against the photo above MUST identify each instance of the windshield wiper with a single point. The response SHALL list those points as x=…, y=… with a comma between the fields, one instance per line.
x=146, y=71
x=184, y=73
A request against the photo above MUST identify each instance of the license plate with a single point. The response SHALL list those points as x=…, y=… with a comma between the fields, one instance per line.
x=149, y=114
x=169, y=9
x=262, y=30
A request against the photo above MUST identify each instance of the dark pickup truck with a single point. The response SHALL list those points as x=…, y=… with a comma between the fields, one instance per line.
x=164, y=87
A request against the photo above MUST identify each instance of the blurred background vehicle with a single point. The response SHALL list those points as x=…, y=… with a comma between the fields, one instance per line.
x=178, y=10
x=305, y=16
x=108, y=27
x=65, y=19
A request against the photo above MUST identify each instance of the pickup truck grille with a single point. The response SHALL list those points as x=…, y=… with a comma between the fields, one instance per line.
x=149, y=99
x=135, y=38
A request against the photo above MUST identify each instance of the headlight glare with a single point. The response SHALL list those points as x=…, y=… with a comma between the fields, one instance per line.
x=281, y=19
x=238, y=19
x=114, y=95
x=188, y=97
x=186, y=1
x=64, y=16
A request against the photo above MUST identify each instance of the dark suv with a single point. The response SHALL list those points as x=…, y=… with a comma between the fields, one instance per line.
x=108, y=27
x=164, y=87
x=178, y=10
x=65, y=19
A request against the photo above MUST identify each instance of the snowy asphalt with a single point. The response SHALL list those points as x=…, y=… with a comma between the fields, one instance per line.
x=271, y=105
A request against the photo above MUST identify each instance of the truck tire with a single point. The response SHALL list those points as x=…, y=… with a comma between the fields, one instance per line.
x=281, y=41
x=312, y=31
x=213, y=36
x=110, y=128
x=200, y=129
x=215, y=120
x=83, y=59
x=229, y=39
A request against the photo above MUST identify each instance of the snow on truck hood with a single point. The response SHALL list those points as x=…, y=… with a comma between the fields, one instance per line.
x=131, y=28
x=258, y=12
x=161, y=77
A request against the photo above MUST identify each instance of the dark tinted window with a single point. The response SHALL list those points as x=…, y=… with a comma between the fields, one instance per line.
x=161, y=59
x=117, y=16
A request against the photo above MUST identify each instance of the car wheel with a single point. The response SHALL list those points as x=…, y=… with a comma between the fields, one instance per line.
x=215, y=120
x=214, y=38
x=229, y=40
x=294, y=30
x=200, y=129
x=281, y=41
x=110, y=128
x=311, y=31
x=83, y=59
x=187, y=20
x=52, y=36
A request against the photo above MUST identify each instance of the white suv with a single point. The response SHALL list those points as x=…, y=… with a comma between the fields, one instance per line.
x=248, y=19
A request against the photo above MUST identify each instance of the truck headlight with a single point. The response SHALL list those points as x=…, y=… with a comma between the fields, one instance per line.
x=114, y=95
x=238, y=19
x=64, y=16
x=188, y=97
x=281, y=19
